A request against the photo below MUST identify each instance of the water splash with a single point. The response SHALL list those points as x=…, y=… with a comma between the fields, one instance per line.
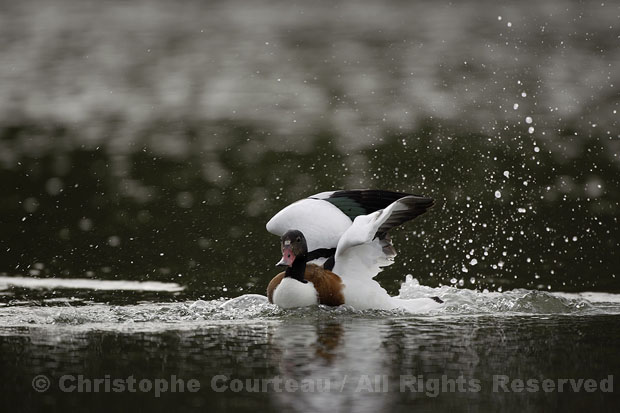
x=465, y=301
x=253, y=308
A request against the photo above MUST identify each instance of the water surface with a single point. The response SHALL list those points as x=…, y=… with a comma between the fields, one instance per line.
x=348, y=360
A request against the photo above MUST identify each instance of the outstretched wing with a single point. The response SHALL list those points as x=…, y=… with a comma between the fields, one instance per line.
x=323, y=218
x=365, y=247
x=321, y=222
x=356, y=202
x=407, y=208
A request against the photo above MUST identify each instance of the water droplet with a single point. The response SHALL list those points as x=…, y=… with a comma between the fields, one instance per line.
x=54, y=186
x=30, y=204
x=185, y=199
x=85, y=224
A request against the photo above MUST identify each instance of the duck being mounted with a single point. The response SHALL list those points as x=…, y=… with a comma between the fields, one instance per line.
x=333, y=245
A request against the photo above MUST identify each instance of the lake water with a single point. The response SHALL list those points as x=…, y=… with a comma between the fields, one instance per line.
x=145, y=144
x=236, y=352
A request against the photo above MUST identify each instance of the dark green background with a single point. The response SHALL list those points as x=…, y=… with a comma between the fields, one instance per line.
x=145, y=140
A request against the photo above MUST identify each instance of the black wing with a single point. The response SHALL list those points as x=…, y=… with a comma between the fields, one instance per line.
x=414, y=207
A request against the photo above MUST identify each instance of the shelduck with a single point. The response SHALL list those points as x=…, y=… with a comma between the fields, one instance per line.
x=303, y=284
x=333, y=245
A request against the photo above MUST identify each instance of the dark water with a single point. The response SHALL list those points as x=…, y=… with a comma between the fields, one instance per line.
x=348, y=361
x=152, y=141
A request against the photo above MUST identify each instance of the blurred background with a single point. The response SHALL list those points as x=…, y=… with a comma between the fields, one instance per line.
x=152, y=140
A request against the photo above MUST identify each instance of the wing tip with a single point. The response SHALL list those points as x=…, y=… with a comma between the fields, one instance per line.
x=414, y=206
x=416, y=202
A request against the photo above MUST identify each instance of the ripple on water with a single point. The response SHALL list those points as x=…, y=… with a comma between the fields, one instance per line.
x=253, y=308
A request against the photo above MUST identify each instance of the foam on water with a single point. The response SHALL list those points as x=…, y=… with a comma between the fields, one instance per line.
x=466, y=301
x=253, y=308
